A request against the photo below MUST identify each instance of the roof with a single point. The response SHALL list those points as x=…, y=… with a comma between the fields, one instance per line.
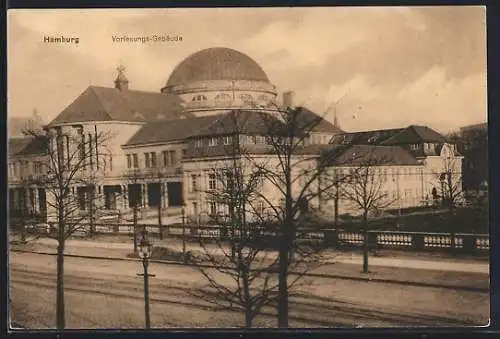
x=16, y=126
x=375, y=155
x=365, y=137
x=169, y=130
x=239, y=121
x=316, y=122
x=415, y=134
x=108, y=104
x=396, y=136
x=476, y=127
x=27, y=146
x=217, y=63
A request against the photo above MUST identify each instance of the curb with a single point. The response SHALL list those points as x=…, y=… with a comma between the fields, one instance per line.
x=317, y=275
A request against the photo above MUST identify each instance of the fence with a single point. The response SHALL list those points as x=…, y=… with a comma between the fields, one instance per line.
x=329, y=238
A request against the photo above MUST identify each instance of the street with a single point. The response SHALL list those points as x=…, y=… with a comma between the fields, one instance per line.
x=108, y=293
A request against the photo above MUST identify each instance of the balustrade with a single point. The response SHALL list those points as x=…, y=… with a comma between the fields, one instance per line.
x=419, y=241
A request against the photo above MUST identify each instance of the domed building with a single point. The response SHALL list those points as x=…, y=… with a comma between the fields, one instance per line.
x=165, y=145
x=217, y=79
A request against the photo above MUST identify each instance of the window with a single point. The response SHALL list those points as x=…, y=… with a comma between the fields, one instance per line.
x=199, y=98
x=153, y=159
x=129, y=161
x=194, y=184
x=184, y=152
x=228, y=140
x=173, y=160
x=147, y=160
x=164, y=155
x=91, y=153
x=211, y=181
x=212, y=207
x=198, y=143
x=81, y=145
x=260, y=207
x=135, y=158
x=246, y=98
x=229, y=181
x=384, y=175
x=222, y=98
x=212, y=141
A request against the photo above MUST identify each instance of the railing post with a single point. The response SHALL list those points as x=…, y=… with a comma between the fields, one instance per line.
x=469, y=243
x=418, y=241
x=331, y=238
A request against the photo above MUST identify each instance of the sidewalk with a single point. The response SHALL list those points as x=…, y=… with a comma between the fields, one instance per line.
x=121, y=249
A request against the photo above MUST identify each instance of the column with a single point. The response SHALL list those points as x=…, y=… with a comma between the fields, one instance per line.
x=124, y=197
x=36, y=201
x=144, y=195
x=164, y=194
x=27, y=198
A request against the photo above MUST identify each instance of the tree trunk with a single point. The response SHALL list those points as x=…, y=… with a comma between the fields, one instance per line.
x=160, y=226
x=248, y=304
x=452, y=230
x=287, y=232
x=336, y=207
x=60, y=313
x=248, y=317
x=283, y=288
x=365, y=242
x=134, y=226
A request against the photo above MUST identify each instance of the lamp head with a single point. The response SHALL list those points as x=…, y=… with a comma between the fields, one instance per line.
x=145, y=248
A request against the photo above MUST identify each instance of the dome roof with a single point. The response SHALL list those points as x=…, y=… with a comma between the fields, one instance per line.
x=217, y=63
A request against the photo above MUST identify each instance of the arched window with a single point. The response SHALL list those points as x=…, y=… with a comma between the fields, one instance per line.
x=246, y=98
x=262, y=98
x=222, y=98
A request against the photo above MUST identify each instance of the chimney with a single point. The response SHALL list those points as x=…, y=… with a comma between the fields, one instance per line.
x=289, y=99
x=121, y=82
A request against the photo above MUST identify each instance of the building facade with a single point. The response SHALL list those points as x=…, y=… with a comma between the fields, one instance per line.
x=160, y=151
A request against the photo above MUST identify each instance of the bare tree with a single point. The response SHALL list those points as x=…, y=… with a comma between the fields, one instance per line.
x=158, y=175
x=364, y=190
x=293, y=173
x=241, y=278
x=134, y=178
x=71, y=161
x=237, y=185
x=450, y=191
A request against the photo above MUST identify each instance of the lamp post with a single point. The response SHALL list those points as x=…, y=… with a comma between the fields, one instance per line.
x=145, y=254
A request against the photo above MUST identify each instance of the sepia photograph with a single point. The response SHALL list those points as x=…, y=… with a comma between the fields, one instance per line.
x=286, y=167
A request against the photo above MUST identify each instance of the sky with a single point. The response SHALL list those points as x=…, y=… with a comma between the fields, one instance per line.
x=375, y=67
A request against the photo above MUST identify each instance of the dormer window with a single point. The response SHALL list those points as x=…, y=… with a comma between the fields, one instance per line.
x=347, y=139
x=212, y=141
x=198, y=143
x=199, y=98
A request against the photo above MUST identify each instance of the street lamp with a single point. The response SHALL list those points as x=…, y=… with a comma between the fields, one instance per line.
x=145, y=253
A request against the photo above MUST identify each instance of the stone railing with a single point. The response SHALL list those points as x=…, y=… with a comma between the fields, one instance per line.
x=330, y=238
